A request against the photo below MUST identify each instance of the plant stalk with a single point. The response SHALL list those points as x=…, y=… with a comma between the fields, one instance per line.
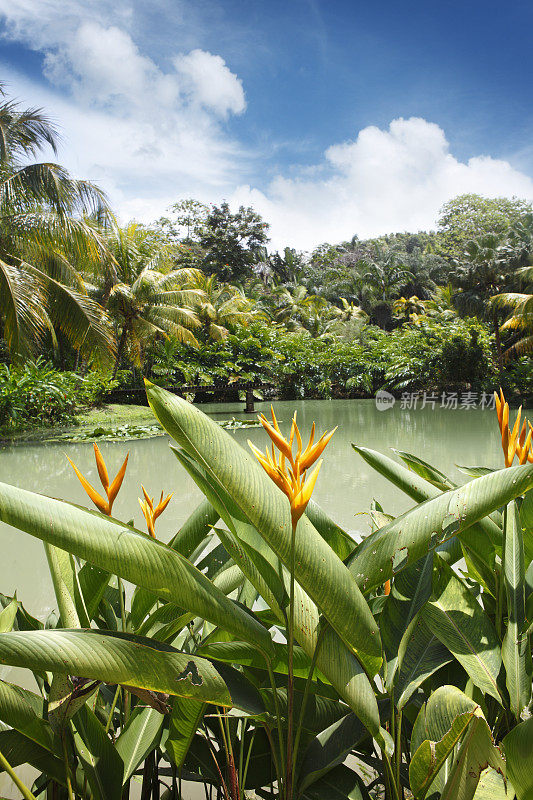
x=23, y=789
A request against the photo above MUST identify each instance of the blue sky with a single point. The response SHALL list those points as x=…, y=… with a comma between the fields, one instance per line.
x=332, y=118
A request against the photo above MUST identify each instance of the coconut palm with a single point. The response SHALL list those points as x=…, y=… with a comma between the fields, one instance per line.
x=149, y=300
x=45, y=232
x=409, y=309
x=519, y=306
x=221, y=306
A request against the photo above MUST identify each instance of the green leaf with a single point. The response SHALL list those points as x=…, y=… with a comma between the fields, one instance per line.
x=439, y=727
x=492, y=786
x=518, y=748
x=409, y=591
x=139, y=737
x=329, y=748
x=319, y=570
x=8, y=616
x=516, y=653
x=476, y=753
x=66, y=587
x=184, y=721
x=129, y=553
x=425, y=470
x=460, y=623
x=24, y=711
x=100, y=760
x=341, y=783
x=122, y=658
x=194, y=529
x=420, y=654
x=18, y=749
x=412, y=535
x=339, y=541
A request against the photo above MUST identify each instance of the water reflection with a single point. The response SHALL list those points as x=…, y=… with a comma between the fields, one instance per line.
x=345, y=487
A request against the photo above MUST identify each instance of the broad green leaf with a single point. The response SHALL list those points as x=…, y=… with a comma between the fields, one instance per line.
x=329, y=748
x=18, y=749
x=492, y=786
x=184, y=721
x=66, y=587
x=425, y=470
x=24, y=711
x=8, y=616
x=518, y=748
x=319, y=570
x=125, y=659
x=516, y=653
x=341, y=783
x=477, y=751
x=140, y=735
x=93, y=583
x=480, y=541
x=420, y=654
x=458, y=620
x=130, y=554
x=340, y=541
x=412, y=535
x=194, y=529
x=410, y=590
x=100, y=760
x=439, y=727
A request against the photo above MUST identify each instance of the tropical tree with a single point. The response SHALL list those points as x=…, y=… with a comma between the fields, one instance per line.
x=149, y=300
x=230, y=241
x=220, y=306
x=519, y=306
x=408, y=309
x=45, y=234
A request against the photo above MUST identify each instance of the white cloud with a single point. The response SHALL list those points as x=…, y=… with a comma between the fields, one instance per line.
x=210, y=82
x=385, y=180
x=151, y=131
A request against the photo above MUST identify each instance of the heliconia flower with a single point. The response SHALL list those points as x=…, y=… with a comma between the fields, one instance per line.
x=516, y=441
x=150, y=513
x=291, y=479
x=102, y=504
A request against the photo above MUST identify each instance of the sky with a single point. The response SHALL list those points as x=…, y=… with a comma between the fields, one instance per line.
x=330, y=117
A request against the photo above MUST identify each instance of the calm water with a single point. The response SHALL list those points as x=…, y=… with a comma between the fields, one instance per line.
x=345, y=488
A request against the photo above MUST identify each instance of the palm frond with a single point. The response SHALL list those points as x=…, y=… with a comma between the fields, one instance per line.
x=21, y=309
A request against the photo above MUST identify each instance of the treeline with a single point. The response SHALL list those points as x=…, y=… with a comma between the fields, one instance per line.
x=188, y=297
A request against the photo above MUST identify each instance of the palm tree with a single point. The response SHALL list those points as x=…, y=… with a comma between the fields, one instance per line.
x=484, y=275
x=382, y=282
x=221, y=306
x=520, y=308
x=149, y=300
x=409, y=309
x=45, y=231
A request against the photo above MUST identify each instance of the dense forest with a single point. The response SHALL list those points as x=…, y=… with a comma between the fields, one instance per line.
x=196, y=298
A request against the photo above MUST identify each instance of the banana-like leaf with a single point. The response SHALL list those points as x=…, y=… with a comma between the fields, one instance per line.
x=194, y=529
x=425, y=470
x=258, y=501
x=330, y=748
x=128, y=553
x=516, y=653
x=125, y=659
x=341, y=783
x=339, y=541
x=140, y=735
x=8, y=616
x=412, y=535
x=440, y=725
x=24, y=711
x=461, y=624
x=72, y=611
x=264, y=570
x=518, y=748
x=492, y=786
x=477, y=751
x=480, y=541
x=409, y=592
x=18, y=749
x=102, y=764
x=420, y=654
x=184, y=721
x=93, y=583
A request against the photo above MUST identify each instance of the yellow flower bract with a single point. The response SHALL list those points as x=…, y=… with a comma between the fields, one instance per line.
x=289, y=470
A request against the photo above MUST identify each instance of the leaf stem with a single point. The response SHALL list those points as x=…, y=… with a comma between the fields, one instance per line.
x=26, y=793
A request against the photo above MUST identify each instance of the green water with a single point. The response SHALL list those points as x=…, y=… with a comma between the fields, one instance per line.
x=345, y=487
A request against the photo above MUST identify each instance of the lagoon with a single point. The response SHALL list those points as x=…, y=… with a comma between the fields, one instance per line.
x=346, y=486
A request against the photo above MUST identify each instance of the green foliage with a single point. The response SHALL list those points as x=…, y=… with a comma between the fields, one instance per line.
x=38, y=394
x=229, y=241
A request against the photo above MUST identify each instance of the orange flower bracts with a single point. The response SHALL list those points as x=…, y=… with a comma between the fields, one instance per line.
x=292, y=479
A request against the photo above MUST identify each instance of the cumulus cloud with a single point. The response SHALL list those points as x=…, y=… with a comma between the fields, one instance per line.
x=383, y=181
x=152, y=128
